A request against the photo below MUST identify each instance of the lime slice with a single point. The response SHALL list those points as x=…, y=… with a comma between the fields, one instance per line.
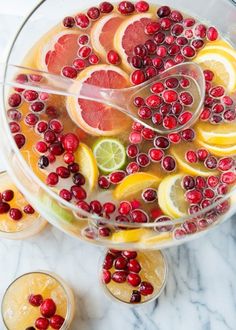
x=110, y=155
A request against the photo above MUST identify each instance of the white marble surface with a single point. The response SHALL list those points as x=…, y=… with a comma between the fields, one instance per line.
x=201, y=288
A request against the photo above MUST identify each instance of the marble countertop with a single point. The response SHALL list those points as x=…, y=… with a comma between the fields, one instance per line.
x=201, y=287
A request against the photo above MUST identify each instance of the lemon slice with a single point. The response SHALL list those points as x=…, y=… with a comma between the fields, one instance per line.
x=223, y=134
x=157, y=239
x=88, y=166
x=219, y=150
x=222, y=64
x=130, y=235
x=178, y=151
x=110, y=154
x=135, y=183
x=171, y=196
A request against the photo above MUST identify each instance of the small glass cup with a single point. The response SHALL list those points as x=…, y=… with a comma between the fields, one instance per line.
x=161, y=277
x=60, y=292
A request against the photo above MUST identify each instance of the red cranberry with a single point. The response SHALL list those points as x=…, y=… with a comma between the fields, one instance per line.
x=156, y=155
x=52, y=179
x=78, y=179
x=168, y=163
x=35, y=300
x=227, y=100
x=157, y=88
x=225, y=164
x=188, y=134
x=14, y=114
x=142, y=6
x=106, y=276
x=104, y=231
x=68, y=158
x=93, y=59
x=93, y=13
x=109, y=207
x=31, y=119
x=117, y=177
x=212, y=181
x=212, y=33
x=119, y=276
x=42, y=323
x=56, y=149
x=209, y=75
x=169, y=122
x=136, y=126
x=78, y=192
x=186, y=98
x=135, y=137
x=200, y=31
x=124, y=208
x=153, y=101
x=174, y=137
x=190, y=227
x=83, y=206
x=65, y=194
x=165, y=23
x=148, y=134
x=137, y=77
x=120, y=263
x=20, y=140
x=73, y=168
x=209, y=193
x=146, y=288
x=223, y=207
x=205, y=114
x=150, y=72
x=228, y=177
x=134, y=266
x=41, y=147
x=132, y=151
x=79, y=64
x=82, y=21
x=177, y=29
x=185, y=117
x=222, y=189
x=132, y=167
x=188, y=182
x=229, y=115
x=140, y=50
x=133, y=279
x=113, y=57
x=96, y=207
x=70, y=142
x=149, y=195
x=103, y=182
x=138, y=102
x=188, y=22
x=143, y=160
x=152, y=27
x=69, y=22
x=56, y=322
x=15, y=214
x=41, y=126
x=191, y=156
x=139, y=216
x=135, y=297
x=176, y=16
x=51, y=158
x=157, y=118
x=28, y=209
x=145, y=113
x=188, y=51
x=14, y=100
x=63, y=172
x=171, y=82
x=161, y=142
x=4, y=207
x=163, y=11
x=200, y=182
x=136, y=62
x=194, y=196
x=170, y=96
x=7, y=195
x=84, y=52
x=147, y=61
x=37, y=106
x=30, y=95
x=125, y=7
x=159, y=38
x=56, y=126
x=210, y=162
x=48, y=308
x=129, y=254
x=162, y=52
x=106, y=7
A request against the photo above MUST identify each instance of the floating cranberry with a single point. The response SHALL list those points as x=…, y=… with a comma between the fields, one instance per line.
x=142, y=6
x=82, y=21
x=156, y=155
x=152, y=27
x=163, y=11
x=139, y=216
x=43, y=162
x=146, y=288
x=106, y=276
x=104, y=231
x=132, y=151
x=176, y=16
x=222, y=189
x=212, y=33
x=200, y=31
x=227, y=100
x=137, y=77
x=103, y=182
x=229, y=115
x=194, y=196
x=170, y=122
x=28, y=209
x=65, y=194
x=223, y=207
x=185, y=117
x=212, y=181
x=150, y=72
x=188, y=51
x=14, y=114
x=84, y=52
x=157, y=118
x=191, y=156
x=78, y=179
x=120, y=263
x=7, y=195
x=117, y=177
x=37, y=106
x=106, y=7
x=186, y=98
x=210, y=162
x=124, y=208
x=168, y=163
x=52, y=179
x=135, y=297
x=69, y=22
x=197, y=43
x=188, y=134
x=149, y=195
x=51, y=158
x=79, y=64
x=225, y=164
x=68, y=157
x=15, y=214
x=41, y=147
x=20, y=140
x=93, y=13
x=136, y=62
x=41, y=126
x=113, y=57
x=14, y=100
x=56, y=322
x=143, y=160
x=78, y=192
x=56, y=149
x=205, y=114
x=30, y=95
x=188, y=182
x=200, y=182
x=165, y=24
x=70, y=142
x=4, y=207
x=134, y=266
x=157, y=88
x=145, y=112
x=153, y=101
x=176, y=109
x=209, y=193
x=132, y=167
x=31, y=119
x=96, y=207
x=42, y=323
x=35, y=300
x=74, y=167
x=190, y=227
x=63, y=172
x=83, y=39
x=119, y=276
x=170, y=96
x=48, y=308
x=126, y=7
x=109, y=208
x=135, y=137
x=228, y=177
x=133, y=279
x=138, y=102
x=83, y=206
x=161, y=142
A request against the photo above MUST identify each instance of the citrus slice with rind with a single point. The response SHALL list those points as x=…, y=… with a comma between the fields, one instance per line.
x=178, y=151
x=134, y=184
x=88, y=165
x=130, y=235
x=223, y=134
x=93, y=117
x=219, y=150
x=222, y=64
x=110, y=154
x=102, y=33
x=130, y=34
x=171, y=196
x=157, y=239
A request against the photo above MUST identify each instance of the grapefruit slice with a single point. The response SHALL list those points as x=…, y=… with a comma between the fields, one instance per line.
x=60, y=51
x=102, y=33
x=94, y=117
x=130, y=34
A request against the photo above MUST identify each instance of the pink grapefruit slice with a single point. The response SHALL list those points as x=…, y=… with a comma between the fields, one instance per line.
x=103, y=31
x=93, y=117
x=60, y=51
x=130, y=34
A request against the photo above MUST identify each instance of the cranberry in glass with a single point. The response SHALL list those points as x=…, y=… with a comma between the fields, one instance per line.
x=20, y=140
x=103, y=182
x=143, y=160
x=168, y=163
x=119, y=276
x=132, y=167
x=15, y=214
x=133, y=279
x=146, y=288
x=68, y=22
x=134, y=266
x=56, y=321
x=42, y=323
x=163, y=11
x=28, y=209
x=141, y=6
x=78, y=192
x=7, y=195
x=35, y=300
x=126, y=7
x=149, y=195
x=135, y=297
x=139, y=216
x=106, y=276
x=188, y=182
x=106, y=7
x=4, y=207
x=120, y=263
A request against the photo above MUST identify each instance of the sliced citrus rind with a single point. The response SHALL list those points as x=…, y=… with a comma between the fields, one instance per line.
x=102, y=33
x=134, y=184
x=223, y=134
x=157, y=239
x=130, y=235
x=88, y=165
x=171, y=196
x=110, y=154
x=133, y=37
x=99, y=114
x=219, y=150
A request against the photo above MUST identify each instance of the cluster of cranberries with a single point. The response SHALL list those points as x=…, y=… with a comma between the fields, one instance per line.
x=48, y=313
x=126, y=269
x=171, y=40
x=14, y=213
x=168, y=105
x=218, y=107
